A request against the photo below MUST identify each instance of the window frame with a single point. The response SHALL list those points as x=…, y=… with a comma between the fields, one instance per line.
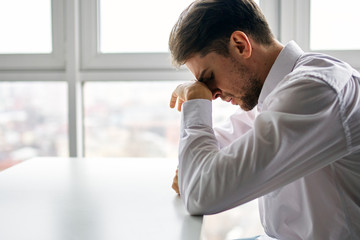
x=92, y=58
x=42, y=61
x=295, y=25
x=75, y=58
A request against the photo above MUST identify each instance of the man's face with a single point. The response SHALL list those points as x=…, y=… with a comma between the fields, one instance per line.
x=227, y=78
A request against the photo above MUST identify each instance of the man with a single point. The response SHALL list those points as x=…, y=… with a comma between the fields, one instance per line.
x=300, y=155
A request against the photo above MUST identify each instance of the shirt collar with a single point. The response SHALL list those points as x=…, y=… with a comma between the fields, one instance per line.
x=282, y=66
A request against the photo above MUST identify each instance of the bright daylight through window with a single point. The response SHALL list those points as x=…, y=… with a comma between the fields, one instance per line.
x=33, y=121
x=126, y=27
x=25, y=26
x=133, y=119
x=335, y=28
x=149, y=26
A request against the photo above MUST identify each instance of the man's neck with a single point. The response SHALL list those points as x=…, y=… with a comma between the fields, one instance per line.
x=265, y=58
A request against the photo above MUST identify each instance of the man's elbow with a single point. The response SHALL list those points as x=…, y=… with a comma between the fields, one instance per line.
x=197, y=206
x=195, y=209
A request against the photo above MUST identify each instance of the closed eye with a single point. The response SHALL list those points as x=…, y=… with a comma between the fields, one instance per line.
x=208, y=80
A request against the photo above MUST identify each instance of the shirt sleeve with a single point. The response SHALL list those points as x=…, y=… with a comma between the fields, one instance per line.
x=300, y=132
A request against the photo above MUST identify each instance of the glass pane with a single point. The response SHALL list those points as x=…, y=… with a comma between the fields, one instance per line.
x=125, y=27
x=33, y=121
x=138, y=26
x=133, y=119
x=25, y=26
x=333, y=25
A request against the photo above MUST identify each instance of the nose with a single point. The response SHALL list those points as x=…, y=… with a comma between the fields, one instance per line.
x=216, y=93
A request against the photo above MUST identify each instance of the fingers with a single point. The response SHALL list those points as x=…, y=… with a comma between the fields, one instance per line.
x=188, y=91
x=176, y=97
x=180, y=103
x=175, y=184
x=173, y=99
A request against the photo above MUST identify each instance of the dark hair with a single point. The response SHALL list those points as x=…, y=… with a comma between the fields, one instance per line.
x=206, y=26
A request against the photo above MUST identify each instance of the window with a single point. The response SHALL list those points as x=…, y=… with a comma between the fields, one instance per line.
x=129, y=104
x=32, y=34
x=149, y=29
x=115, y=30
x=128, y=35
x=332, y=25
x=149, y=26
x=322, y=26
x=25, y=29
x=130, y=119
x=133, y=119
x=33, y=93
x=33, y=121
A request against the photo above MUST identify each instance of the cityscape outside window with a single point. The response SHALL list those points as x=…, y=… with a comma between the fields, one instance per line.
x=33, y=121
x=133, y=119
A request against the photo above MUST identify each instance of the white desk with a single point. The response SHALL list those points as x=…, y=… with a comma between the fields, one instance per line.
x=93, y=199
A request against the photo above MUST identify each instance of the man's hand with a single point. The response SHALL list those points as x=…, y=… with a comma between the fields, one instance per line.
x=188, y=91
x=181, y=94
x=175, y=184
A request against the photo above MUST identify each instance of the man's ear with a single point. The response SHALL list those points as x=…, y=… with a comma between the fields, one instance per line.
x=240, y=42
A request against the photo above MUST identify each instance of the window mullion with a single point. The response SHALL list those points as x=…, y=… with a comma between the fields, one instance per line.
x=302, y=20
x=271, y=10
x=295, y=22
x=73, y=78
x=287, y=18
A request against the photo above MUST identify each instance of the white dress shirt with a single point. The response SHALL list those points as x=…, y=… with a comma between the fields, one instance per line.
x=298, y=152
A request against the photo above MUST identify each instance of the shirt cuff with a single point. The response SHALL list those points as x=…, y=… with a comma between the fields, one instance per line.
x=196, y=112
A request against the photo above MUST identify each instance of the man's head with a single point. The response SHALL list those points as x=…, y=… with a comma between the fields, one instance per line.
x=206, y=26
x=228, y=46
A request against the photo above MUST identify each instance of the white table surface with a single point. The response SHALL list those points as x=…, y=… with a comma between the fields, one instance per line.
x=93, y=199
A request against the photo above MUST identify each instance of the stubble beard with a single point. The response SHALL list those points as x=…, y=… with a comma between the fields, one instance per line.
x=251, y=97
x=252, y=87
